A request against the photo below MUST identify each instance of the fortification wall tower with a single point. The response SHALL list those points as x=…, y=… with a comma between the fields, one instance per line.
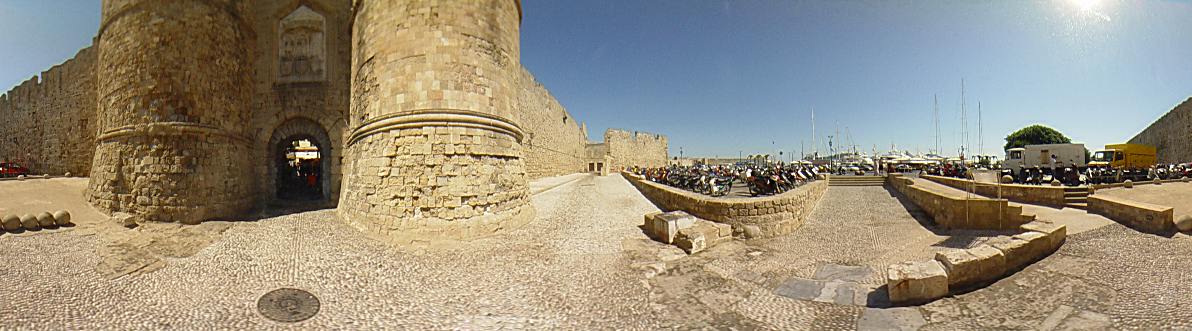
x=173, y=96
x=433, y=149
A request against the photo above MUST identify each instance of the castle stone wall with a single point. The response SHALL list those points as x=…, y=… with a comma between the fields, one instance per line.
x=174, y=110
x=1171, y=135
x=427, y=123
x=435, y=150
x=629, y=149
x=554, y=143
x=47, y=124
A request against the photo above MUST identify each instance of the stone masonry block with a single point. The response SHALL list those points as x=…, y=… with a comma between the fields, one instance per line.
x=725, y=229
x=648, y=224
x=667, y=225
x=971, y=267
x=691, y=241
x=1055, y=233
x=918, y=282
x=1022, y=249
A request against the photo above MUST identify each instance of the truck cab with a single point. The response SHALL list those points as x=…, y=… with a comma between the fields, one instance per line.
x=1014, y=159
x=1107, y=158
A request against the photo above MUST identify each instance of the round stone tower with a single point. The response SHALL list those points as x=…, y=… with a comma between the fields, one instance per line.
x=174, y=97
x=433, y=150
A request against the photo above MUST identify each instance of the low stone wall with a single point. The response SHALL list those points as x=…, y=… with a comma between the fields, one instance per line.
x=962, y=213
x=1033, y=194
x=1132, y=183
x=957, y=270
x=1138, y=215
x=767, y=216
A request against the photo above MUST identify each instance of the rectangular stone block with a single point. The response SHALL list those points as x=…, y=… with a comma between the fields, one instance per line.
x=691, y=241
x=916, y=282
x=1021, y=249
x=725, y=230
x=667, y=225
x=1055, y=233
x=648, y=224
x=972, y=267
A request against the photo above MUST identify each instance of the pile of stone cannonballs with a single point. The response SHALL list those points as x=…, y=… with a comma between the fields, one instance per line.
x=35, y=222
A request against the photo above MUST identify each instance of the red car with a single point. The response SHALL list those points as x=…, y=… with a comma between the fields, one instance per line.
x=9, y=169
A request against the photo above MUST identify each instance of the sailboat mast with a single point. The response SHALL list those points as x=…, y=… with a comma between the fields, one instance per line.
x=980, y=131
x=937, y=124
x=964, y=142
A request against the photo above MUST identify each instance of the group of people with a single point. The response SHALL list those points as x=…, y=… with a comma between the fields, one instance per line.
x=718, y=180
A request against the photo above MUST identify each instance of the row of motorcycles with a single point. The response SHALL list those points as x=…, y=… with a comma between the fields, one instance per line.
x=778, y=179
x=704, y=180
x=718, y=180
x=1098, y=175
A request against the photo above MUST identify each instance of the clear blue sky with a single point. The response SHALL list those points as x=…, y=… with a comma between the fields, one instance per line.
x=720, y=77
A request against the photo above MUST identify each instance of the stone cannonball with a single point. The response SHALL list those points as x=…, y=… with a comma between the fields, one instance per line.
x=66, y=175
x=62, y=217
x=11, y=222
x=29, y=222
x=1184, y=223
x=21, y=177
x=1129, y=183
x=45, y=175
x=1055, y=182
x=45, y=219
x=1158, y=181
x=1007, y=179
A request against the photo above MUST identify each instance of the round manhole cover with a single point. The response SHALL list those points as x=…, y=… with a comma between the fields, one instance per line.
x=288, y=305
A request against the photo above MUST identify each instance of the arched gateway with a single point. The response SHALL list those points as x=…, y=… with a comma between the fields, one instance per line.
x=300, y=166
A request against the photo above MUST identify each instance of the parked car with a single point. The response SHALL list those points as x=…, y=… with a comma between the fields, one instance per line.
x=9, y=169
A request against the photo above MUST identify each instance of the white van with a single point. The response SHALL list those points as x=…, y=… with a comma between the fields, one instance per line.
x=1066, y=155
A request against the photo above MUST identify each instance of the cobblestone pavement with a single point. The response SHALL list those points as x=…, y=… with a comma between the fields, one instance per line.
x=584, y=264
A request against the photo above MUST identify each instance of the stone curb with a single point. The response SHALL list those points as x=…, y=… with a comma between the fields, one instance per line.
x=912, y=283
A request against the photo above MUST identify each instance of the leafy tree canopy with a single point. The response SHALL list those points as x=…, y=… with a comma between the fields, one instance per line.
x=1035, y=135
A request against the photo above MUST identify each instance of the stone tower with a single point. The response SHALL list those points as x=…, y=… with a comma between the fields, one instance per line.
x=433, y=150
x=173, y=110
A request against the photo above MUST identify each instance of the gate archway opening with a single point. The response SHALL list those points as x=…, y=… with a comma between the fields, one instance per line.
x=299, y=170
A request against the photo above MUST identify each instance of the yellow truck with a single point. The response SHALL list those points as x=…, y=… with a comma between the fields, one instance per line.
x=1120, y=162
x=1125, y=156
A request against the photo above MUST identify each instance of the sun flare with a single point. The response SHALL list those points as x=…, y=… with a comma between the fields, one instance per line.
x=1086, y=5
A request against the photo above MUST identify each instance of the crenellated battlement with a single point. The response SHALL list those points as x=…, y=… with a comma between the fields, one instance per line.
x=54, y=81
x=48, y=120
x=635, y=148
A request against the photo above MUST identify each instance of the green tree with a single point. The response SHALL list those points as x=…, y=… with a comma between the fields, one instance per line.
x=1035, y=135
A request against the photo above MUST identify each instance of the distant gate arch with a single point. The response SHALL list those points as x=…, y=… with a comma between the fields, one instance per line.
x=296, y=129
